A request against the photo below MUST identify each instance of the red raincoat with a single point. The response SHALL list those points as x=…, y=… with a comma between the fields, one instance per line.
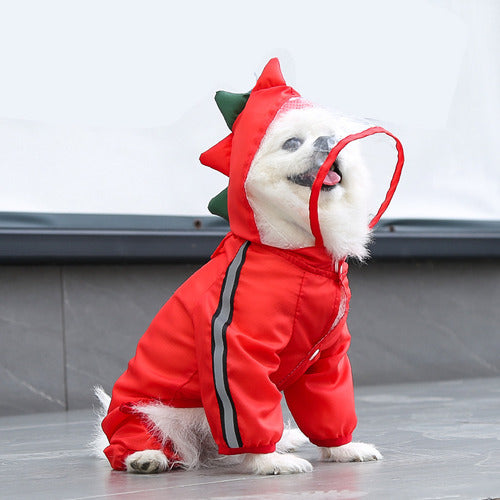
x=254, y=321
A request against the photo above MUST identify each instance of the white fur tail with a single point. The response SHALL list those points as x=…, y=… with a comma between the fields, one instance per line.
x=99, y=439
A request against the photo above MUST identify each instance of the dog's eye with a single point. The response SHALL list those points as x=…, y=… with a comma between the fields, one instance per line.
x=292, y=144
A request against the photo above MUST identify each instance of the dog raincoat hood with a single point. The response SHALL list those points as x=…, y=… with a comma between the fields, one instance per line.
x=249, y=116
x=234, y=154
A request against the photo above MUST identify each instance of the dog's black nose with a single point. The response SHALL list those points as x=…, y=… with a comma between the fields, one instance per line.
x=324, y=143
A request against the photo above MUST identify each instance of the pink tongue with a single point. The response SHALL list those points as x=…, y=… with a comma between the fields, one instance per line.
x=331, y=178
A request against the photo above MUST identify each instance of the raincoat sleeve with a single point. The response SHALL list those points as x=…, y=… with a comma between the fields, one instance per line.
x=242, y=404
x=322, y=400
x=237, y=356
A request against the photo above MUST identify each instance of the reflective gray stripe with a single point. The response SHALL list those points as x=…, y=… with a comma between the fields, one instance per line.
x=221, y=320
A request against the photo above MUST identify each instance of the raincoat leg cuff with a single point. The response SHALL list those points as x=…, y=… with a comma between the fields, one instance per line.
x=331, y=443
x=116, y=455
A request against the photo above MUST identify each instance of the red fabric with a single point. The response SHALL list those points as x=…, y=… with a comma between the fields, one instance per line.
x=219, y=156
x=395, y=178
x=284, y=307
x=330, y=160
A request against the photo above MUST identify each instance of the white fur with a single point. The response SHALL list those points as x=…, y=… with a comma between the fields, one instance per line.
x=281, y=208
x=99, y=439
x=188, y=432
x=351, y=452
x=274, y=463
x=147, y=462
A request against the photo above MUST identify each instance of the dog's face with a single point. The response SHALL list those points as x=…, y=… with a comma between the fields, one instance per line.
x=279, y=181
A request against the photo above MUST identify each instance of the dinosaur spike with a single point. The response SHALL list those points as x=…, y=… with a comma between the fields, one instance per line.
x=230, y=105
x=218, y=157
x=271, y=76
x=218, y=205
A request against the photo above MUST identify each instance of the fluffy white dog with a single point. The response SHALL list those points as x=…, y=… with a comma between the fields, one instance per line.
x=237, y=419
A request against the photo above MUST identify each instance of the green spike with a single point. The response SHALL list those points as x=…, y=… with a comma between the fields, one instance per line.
x=231, y=105
x=218, y=205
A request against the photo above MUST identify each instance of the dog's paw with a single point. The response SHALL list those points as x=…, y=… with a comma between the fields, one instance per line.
x=147, y=462
x=291, y=440
x=274, y=463
x=351, y=452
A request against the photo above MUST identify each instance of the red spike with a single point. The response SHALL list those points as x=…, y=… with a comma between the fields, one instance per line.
x=218, y=157
x=271, y=76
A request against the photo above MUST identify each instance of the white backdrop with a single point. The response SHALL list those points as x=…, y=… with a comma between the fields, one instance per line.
x=105, y=105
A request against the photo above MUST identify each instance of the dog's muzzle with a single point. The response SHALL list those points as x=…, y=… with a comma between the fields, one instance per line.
x=321, y=147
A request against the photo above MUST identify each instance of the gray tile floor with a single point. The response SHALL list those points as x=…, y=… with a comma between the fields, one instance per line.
x=440, y=441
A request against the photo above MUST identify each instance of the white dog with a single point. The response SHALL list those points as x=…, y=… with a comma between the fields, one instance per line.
x=236, y=418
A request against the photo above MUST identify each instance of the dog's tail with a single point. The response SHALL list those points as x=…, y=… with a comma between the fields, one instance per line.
x=99, y=440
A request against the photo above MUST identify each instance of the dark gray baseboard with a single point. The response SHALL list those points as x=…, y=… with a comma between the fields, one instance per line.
x=65, y=328
x=78, y=238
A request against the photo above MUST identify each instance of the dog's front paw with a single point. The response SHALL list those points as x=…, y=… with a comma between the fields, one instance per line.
x=274, y=463
x=351, y=452
x=147, y=462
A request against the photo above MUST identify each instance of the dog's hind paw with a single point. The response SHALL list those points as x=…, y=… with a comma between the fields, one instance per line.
x=147, y=462
x=274, y=463
x=351, y=452
x=291, y=440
